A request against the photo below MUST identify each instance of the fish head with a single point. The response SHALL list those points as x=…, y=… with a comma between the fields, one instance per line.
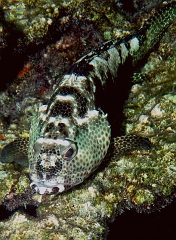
x=60, y=161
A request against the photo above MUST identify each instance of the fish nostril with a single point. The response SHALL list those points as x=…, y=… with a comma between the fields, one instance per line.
x=34, y=187
x=48, y=176
x=55, y=190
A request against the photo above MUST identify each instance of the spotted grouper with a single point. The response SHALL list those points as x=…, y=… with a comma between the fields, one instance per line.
x=71, y=135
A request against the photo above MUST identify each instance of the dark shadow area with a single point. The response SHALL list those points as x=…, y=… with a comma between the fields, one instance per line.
x=11, y=52
x=160, y=225
x=29, y=210
x=15, y=49
x=128, y=6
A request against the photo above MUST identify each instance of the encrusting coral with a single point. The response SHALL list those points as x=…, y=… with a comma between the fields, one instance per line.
x=142, y=180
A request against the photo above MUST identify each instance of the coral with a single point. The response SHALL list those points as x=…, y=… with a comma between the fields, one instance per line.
x=144, y=181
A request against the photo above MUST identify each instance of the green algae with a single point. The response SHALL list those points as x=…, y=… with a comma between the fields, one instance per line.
x=8, y=178
x=33, y=17
x=155, y=117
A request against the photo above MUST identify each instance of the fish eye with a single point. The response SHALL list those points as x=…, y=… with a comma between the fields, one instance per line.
x=70, y=151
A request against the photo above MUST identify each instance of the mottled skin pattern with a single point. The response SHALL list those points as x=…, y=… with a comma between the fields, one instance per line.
x=70, y=136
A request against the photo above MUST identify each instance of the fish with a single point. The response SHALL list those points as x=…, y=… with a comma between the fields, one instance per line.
x=71, y=135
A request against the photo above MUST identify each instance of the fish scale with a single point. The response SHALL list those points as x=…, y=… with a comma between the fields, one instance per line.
x=72, y=134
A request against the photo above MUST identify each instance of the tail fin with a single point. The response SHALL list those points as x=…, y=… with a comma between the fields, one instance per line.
x=153, y=30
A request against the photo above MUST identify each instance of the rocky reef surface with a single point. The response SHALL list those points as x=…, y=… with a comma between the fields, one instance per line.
x=39, y=41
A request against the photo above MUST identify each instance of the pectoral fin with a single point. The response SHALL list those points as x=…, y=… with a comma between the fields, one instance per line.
x=129, y=143
x=16, y=151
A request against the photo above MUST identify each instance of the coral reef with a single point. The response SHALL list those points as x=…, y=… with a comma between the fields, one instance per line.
x=50, y=38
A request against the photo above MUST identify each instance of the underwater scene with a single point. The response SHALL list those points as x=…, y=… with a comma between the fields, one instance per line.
x=87, y=119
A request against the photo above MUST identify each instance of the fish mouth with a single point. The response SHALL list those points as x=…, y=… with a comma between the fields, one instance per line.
x=47, y=188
